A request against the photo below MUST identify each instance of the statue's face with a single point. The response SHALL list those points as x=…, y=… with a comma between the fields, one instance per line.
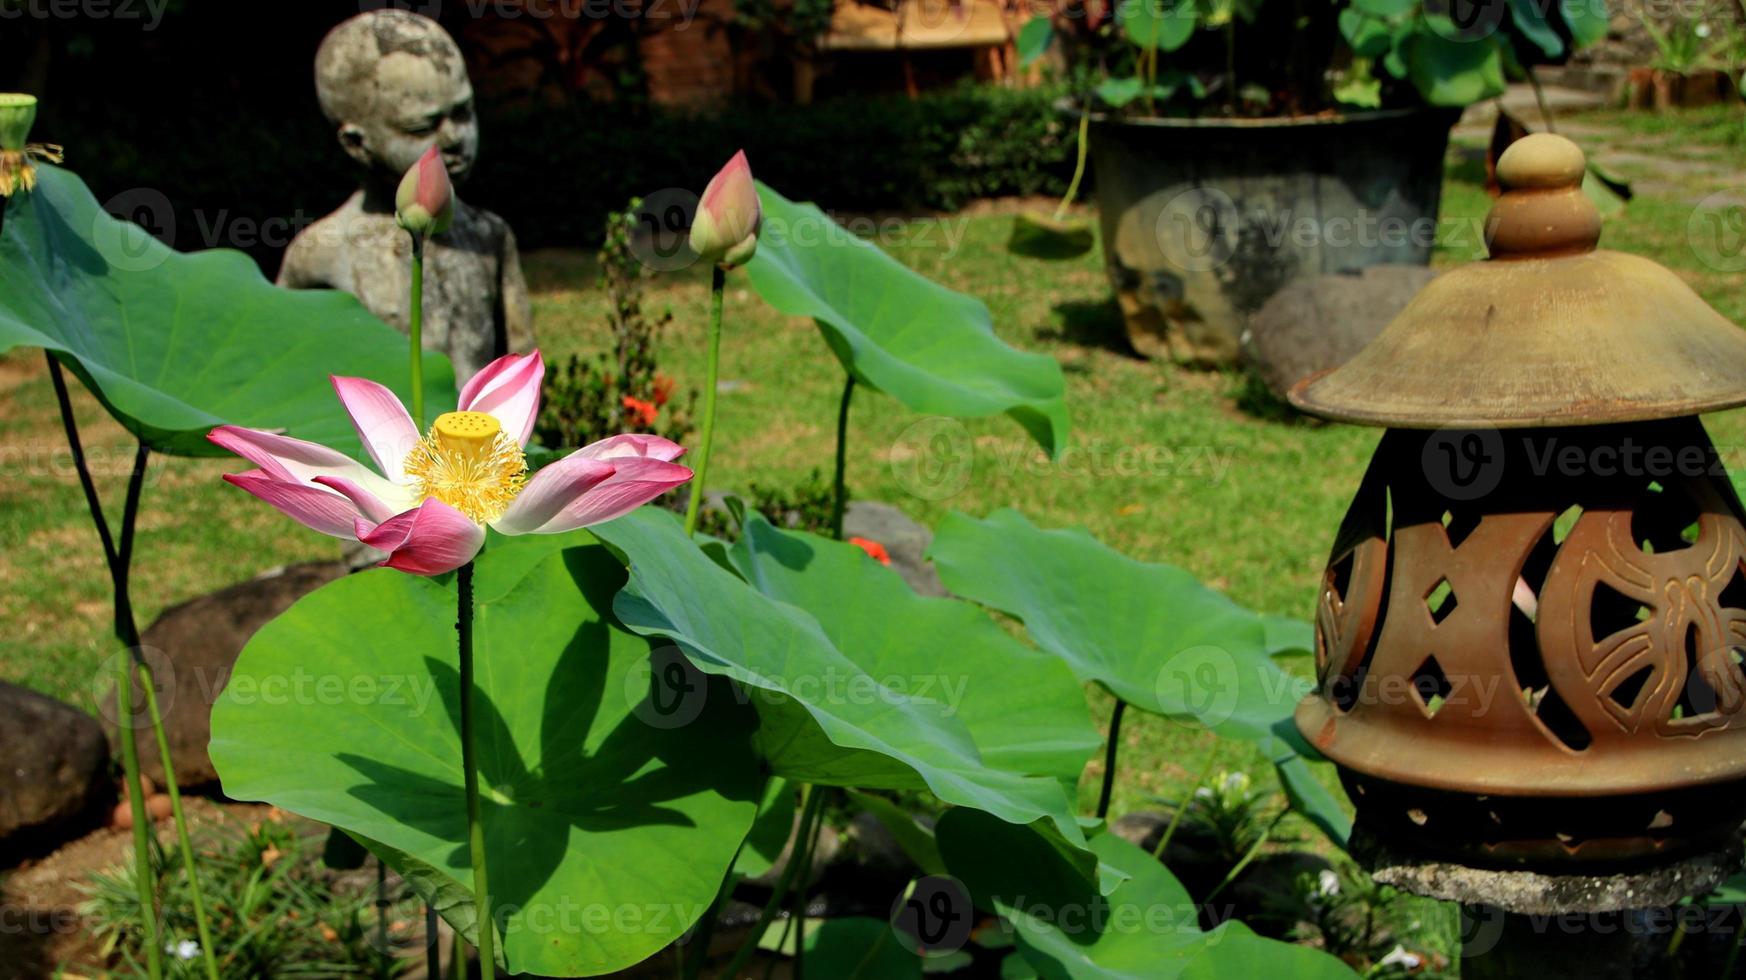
x=417, y=103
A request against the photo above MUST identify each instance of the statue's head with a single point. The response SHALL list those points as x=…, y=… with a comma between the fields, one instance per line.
x=393, y=83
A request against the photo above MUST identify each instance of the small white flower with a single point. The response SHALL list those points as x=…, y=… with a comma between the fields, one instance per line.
x=1328, y=883
x=1203, y=793
x=187, y=949
x=1234, y=782
x=1398, y=956
x=1703, y=30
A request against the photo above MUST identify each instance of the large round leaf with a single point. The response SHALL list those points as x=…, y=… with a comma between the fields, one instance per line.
x=927, y=346
x=174, y=343
x=798, y=675
x=1148, y=928
x=1162, y=24
x=608, y=828
x=1152, y=634
x=1024, y=708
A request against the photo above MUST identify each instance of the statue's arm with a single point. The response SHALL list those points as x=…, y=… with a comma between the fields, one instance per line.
x=298, y=268
x=517, y=309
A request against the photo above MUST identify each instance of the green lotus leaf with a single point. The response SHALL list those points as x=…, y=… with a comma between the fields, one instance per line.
x=1150, y=633
x=175, y=343
x=815, y=692
x=897, y=331
x=609, y=825
x=1147, y=928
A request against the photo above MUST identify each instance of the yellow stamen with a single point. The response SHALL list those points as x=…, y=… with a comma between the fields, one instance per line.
x=467, y=462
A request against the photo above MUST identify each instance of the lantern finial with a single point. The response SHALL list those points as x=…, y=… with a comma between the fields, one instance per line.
x=1543, y=211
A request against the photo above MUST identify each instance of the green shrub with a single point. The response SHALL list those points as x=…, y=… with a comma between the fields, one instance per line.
x=556, y=174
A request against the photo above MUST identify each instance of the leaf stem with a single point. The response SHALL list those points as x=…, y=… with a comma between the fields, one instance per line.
x=1187, y=799
x=470, y=766
x=1109, y=757
x=717, y=285
x=415, y=330
x=1248, y=856
x=433, y=941
x=144, y=881
x=841, y=498
x=1079, y=163
x=809, y=813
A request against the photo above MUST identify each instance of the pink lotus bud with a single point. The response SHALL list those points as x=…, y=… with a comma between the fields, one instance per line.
x=728, y=217
x=425, y=203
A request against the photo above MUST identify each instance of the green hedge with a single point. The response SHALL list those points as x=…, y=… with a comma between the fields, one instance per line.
x=556, y=174
x=940, y=151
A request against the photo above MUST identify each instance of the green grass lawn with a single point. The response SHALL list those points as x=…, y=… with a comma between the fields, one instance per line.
x=1165, y=466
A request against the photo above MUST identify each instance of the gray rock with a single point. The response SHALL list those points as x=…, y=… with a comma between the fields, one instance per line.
x=192, y=649
x=53, y=770
x=1319, y=323
x=904, y=539
x=368, y=72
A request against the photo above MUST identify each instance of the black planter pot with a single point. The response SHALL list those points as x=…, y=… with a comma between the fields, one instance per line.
x=1202, y=220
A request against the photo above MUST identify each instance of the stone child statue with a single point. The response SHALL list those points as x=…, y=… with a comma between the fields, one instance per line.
x=393, y=83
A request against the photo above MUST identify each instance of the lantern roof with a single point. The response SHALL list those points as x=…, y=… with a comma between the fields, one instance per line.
x=1548, y=331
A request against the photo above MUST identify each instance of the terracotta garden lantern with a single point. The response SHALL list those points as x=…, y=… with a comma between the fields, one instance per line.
x=1530, y=630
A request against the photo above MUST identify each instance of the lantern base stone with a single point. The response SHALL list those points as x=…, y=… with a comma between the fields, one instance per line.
x=1534, y=893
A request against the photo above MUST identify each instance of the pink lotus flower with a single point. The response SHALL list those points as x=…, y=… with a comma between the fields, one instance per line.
x=424, y=204
x=728, y=216
x=430, y=502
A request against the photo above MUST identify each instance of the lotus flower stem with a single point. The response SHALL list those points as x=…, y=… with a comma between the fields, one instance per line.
x=144, y=882
x=470, y=766
x=798, y=915
x=717, y=285
x=415, y=330
x=1187, y=798
x=840, y=500
x=142, y=865
x=1109, y=757
x=433, y=953
x=1078, y=164
x=182, y=840
x=809, y=816
x=120, y=561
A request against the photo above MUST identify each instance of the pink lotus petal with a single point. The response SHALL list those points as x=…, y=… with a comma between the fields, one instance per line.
x=314, y=508
x=295, y=460
x=429, y=540
x=375, y=509
x=508, y=388
x=381, y=422
x=633, y=445
x=634, y=483
x=549, y=491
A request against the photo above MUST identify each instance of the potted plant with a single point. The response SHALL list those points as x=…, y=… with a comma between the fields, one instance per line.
x=1241, y=144
x=1689, y=68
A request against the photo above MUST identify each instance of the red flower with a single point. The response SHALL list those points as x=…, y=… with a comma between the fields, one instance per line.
x=642, y=411
x=873, y=548
x=663, y=389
